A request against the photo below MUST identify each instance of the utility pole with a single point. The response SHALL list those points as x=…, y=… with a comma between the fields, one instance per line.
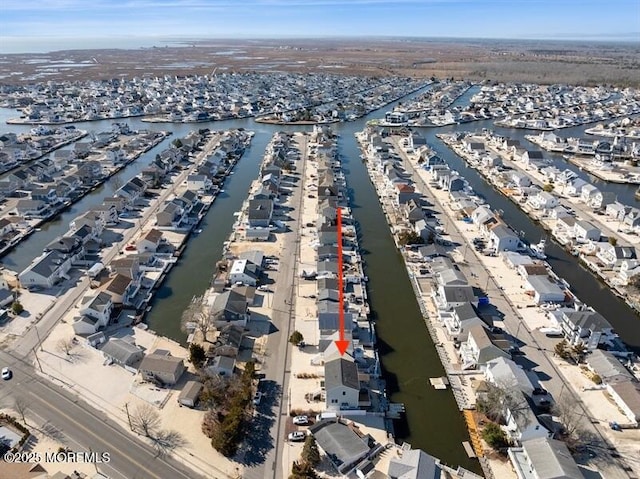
x=38, y=334
x=126, y=406
x=37, y=359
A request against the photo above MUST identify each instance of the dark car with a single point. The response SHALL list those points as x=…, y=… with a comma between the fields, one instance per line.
x=539, y=392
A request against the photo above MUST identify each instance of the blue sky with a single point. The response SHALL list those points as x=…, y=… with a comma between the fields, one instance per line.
x=571, y=19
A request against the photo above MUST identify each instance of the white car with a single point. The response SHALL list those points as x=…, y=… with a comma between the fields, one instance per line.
x=6, y=373
x=301, y=420
x=297, y=436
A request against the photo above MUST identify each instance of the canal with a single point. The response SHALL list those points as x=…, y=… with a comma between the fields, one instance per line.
x=408, y=356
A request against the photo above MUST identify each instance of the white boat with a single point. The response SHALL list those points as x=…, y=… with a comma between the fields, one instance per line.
x=537, y=250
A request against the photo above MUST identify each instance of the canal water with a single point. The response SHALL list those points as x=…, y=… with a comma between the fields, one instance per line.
x=433, y=422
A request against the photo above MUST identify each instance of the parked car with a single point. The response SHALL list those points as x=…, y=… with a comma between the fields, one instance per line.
x=296, y=436
x=6, y=374
x=301, y=420
x=539, y=392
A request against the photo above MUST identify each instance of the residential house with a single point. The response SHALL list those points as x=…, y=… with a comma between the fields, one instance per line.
x=507, y=375
x=170, y=216
x=228, y=342
x=616, y=210
x=245, y=272
x=327, y=233
x=341, y=383
x=260, y=213
x=31, y=208
x=588, y=193
x=343, y=445
x=520, y=179
x=122, y=289
x=613, y=256
x=629, y=268
x=632, y=219
x=220, y=365
x=608, y=367
x=230, y=307
x=601, y=199
x=585, y=231
x=190, y=393
x=521, y=422
x=481, y=347
x=543, y=200
x=417, y=464
x=545, y=290
x=46, y=270
x=544, y=458
x=96, y=311
x=122, y=352
x=585, y=327
x=150, y=241
x=574, y=187
x=503, y=238
x=626, y=395
x=404, y=193
x=161, y=367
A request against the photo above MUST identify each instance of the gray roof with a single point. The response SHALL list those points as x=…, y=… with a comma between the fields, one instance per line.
x=120, y=350
x=414, y=464
x=441, y=263
x=502, y=231
x=229, y=304
x=48, y=264
x=339, y=442
x=543, y=285
x=191, y=391
x=459, y=294
x=551, y=459
x=160, y=363
x=506, y=373
x=97, y=303
x=452, y=276
x=590, y=320
x=465, y=311
x=606, y=365
x=327, y=283
x=432, y=250
x=629, y=392
x=341, y=372
x=254, y=256
x=260, y=209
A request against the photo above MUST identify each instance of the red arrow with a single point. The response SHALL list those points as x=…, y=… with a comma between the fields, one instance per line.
x=342, y=344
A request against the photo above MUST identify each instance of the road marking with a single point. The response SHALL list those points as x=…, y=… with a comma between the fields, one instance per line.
x=96, y=436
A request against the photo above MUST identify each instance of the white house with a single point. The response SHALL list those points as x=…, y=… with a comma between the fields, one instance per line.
x=588, y=192
x=626, y=395
x=150, y=241
x=585, y=231
x=46, y=270
x=545, y=291
x=341, y=383
x=503, y=238
x=544, y=458
x=243, y=271
x=96, y=312
x=198, y=183
x=543, y=201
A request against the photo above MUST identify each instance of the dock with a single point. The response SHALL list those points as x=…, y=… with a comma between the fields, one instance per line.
x=439, y=383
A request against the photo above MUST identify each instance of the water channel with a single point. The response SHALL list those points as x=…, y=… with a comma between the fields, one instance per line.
x=433, y=422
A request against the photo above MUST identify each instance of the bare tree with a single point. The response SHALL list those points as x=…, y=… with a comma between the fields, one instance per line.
x=65, y=345
x=571, y=417
x=503, y=397
x=197, y=316
x=145, y=419
x=166, y=441
x=21, y=406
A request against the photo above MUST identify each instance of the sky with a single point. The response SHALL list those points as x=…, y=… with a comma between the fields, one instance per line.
x=25, y=22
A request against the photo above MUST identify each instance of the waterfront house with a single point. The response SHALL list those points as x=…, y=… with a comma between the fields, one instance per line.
x=6, y=227
x=150, y=241
x=459, y=320
x=481, y=214
x=632, y=219
x=474, y=146
x=31, y=208
x=588, y=193
x=629, y=268
x=244, y=271
x=431, y=251
x=130, y=191
x=94, y=220
x=574, y=187
x=122, y=352
x=608, y=367
x=260, y=213
x=550, y=173
x=585, y=327
x=48, y=194
x=544, y=290
x=46, y=270
x=521, y=422
x=327, y=233
x=230, y=307
x=585, y=231
x=503, y=238
x=341, y=383
x=161, y=367
x=199, y=183
x=507, y=375
x=626, y=395
x=327, y=252
x=616, y=210
x=412, y=211
x=404, y=193
x=451, y=276
x=601, y=199
x=345, y=446
x=531, y=156
x=613, y=256
x=122, y=289
x=448, y=297
x=544, y=458
x=481, y=347
x=417, y=464
x=520, y=179
x=543, y=201
x=118, y=202
x=558, y=212
x=170, y=216
x=90, y=171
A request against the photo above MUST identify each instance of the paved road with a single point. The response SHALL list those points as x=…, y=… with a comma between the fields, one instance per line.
x=83, y=428
x=537, y=347
x=278, y=361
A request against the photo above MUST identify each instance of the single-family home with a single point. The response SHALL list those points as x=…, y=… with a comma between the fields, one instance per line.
x=46, y=270
x=544, y=290
x=544, y=200
x=97, y=309
x=503, y=238
x=345, y=446
x=169, y=216
x=588, y=192
x=585, y=327
x=586, y=231
x=244, y=271
x=260, y=213
x=161, y=367
x=230, y=307
x=122, y=352
x=544, y=458
x=481, y=347
x=626, y=395
x=616, y=210
x=341, y=383
x=613, y=256
x=150, y=241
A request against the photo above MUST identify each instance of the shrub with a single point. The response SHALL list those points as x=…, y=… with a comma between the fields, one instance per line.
x=494, y=436
x=17, y=307
x=197, y=355
x=296, y=338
